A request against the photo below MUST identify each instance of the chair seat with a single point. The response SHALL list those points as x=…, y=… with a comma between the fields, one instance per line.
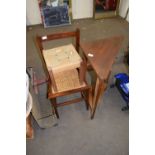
x=67, y=80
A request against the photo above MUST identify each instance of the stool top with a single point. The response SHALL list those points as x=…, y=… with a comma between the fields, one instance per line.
x=62, y=58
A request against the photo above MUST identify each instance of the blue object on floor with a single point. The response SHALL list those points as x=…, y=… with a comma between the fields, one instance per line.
x=122, y=83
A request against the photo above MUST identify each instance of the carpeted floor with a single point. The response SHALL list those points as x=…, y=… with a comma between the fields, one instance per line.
x=75, y=133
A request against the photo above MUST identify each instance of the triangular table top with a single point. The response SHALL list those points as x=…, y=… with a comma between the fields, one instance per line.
x=101, y=54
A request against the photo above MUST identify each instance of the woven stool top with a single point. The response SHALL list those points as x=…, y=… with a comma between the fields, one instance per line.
x=62, y=58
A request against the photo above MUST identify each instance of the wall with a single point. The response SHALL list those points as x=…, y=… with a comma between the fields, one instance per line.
x=124, y=4
x=80, y=9
x=32, y=12
x=84, y=8
x=127, y=17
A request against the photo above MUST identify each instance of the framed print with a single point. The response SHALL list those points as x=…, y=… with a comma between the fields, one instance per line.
x=55, y=16
x=55, y=12
x=105, y=8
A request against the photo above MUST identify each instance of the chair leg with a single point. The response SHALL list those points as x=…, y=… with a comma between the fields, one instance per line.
x=87, y=104
x=85, y=95
x=54, y=103
x=125, y=108
x=87, y=98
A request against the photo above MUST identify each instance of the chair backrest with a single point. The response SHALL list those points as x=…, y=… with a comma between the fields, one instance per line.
x=76, y=34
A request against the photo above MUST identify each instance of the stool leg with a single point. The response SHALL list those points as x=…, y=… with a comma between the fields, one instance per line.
x=84, y=95
x=54, y=103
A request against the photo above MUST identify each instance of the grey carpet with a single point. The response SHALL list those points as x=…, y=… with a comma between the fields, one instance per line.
x=75, y=133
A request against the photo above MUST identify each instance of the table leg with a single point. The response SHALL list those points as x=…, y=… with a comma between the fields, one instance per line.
x=99, y=88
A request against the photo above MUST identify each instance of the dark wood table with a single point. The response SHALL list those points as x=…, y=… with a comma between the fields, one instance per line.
x=101, y=55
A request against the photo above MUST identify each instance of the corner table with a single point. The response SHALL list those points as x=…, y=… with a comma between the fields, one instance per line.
x=101, y=55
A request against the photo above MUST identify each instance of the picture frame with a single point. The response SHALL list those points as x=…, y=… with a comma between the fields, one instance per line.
x=55, y=12
x=105, y=8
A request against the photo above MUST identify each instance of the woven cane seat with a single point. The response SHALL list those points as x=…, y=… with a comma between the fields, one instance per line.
x=67, y=80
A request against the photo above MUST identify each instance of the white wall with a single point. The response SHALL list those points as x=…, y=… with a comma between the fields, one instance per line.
x=82, y=9
x=33, y=16
x=127, y=18
x=124, y=4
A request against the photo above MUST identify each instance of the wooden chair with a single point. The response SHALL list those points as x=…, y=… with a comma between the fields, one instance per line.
x=66, y=78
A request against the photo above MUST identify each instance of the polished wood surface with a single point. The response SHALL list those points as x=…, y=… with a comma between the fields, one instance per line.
x=104, y=52
x=100, y=54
